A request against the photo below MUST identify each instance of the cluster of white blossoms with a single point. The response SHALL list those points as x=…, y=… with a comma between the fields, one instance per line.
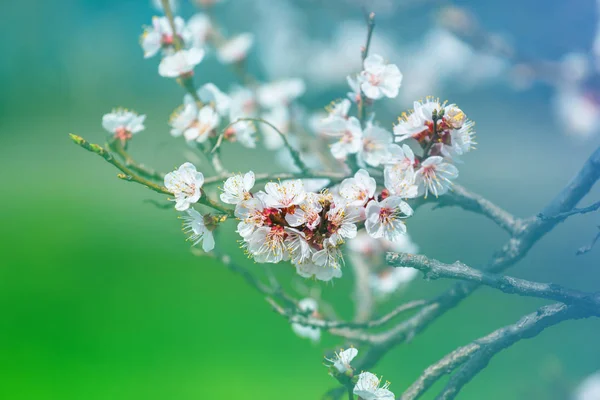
x=287, y=222
x=437, y=132
x=367, y=386
x=182, y=45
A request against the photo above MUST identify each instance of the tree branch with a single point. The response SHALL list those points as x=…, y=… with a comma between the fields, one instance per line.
x=533, y=229
x=433, y=269
x=527, y=327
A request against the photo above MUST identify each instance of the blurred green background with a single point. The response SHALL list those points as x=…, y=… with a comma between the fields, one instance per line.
x=100, y=297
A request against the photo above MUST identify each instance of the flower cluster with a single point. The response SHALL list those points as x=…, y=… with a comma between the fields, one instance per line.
x=441, y=133
x=287, y=222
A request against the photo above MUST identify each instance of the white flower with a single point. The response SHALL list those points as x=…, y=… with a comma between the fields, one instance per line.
x=337, y=118
x=307, y=213
x=354, y=93
x=342, y=360
x=435, y=176
x=279, y=117
x=199, y=26
x=342, y=219
x=384, y=219
x=183, y=119
x=267, y=244
x=285, y=194
x=419, y=123
x=359, y=189
x=200, y=129
x=194, y=226
x=237, y=188
x=379, y=79
x=123, y=124
x=330, y=257
x=350, y=141
x=160, y=35
x=367, y=388
x=280, y=93
x=181, y=63
x=454, y=116
x=365, y=245
x=323, y=273
x=299, y=249
x=241, y=131
x=463, y=139
x=589, y=389
x=251, y=216
x=390, y=280
x=243, y=102
x=375, y=143
x=307, y=305
x=210, y=94
x=399, y=174
x=185, y=183
x=235, y=49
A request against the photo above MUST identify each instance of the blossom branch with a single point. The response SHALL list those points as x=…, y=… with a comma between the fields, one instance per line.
x=518, y=245
x=434, y=269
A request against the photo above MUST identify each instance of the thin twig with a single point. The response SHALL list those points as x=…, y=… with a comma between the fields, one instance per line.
x=129, y=175
x=589, y=247
x=294, y=153
x=565, y=215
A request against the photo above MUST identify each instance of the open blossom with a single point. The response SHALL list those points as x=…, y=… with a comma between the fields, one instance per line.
x=267, y=244
x=385, y=218
x=235, y=49
x=251, y=214
x=160, y=36
x=418, y=124
x=342, y=221
x=279, y=117
x=199, y=27
x=308, y=306
x=180, y=63
x=375, y=144
x=341, y=361
x=399, y=173
x=280, y=93
x=237, y=188
x=123, y=124
x=379, y=79
x=307, y=213
x=354, y=93
x=243, y=102
x=241, y=131
x=359, y=189
x=200, y=129
x=330, y=257
x=323, y=273
x=209, y=93
x=299, y=249
x=193, y=225
x=334, y=124
x=284, y=194
x=185, y=183
x=350, y=141
x=183, y=118
x=435, y=176
x=367, y=388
